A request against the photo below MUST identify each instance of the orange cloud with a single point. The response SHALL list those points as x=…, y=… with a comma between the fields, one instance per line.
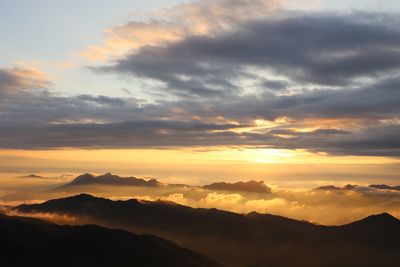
x=22, y=77
x=176, y=23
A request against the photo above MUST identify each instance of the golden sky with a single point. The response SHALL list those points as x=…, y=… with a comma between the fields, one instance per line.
x=198, y=166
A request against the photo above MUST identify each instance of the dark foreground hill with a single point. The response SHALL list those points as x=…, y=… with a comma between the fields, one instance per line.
x=244, y=240
x=27, y=242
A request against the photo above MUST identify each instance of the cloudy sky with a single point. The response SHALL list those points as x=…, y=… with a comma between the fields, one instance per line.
x=205, y=90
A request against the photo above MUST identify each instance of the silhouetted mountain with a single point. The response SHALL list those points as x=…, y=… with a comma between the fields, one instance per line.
x=352, y=187
x=250, y=186
x=383, y=219
x=386, y=187
x=335, y=188
x=28, y=242
x=110, y=179
x=328, y=188
x=32, y=176
x=243, y=240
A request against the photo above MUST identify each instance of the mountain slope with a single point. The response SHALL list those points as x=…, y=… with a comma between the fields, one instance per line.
x=35, y=243
x=243, y=240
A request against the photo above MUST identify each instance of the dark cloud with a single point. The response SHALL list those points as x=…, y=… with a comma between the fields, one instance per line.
x=323, y=49
x=39, y=119
x=275, y=85
x=117, y=135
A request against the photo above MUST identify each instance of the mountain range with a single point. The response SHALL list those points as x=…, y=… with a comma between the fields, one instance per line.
x=242, y=240
x=250, y=186
x=385, y=187
x=110, y=179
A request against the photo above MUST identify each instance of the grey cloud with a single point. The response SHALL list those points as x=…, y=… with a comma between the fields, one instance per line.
x=102, y=100
x=41, y=120
x=7, y=80
x=275, y=85
x=322, y=49
x=16, y=79
x=372, y=102
x=381, y=140
x=118, y=135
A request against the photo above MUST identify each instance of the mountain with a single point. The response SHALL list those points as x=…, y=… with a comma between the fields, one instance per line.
x=28, y=242
x=328, y=188
x=250, y=186
x=243, y=240
x=352, y=187
x=32, y=176
x=110, y=179
x=386, y=187
x=335, y=188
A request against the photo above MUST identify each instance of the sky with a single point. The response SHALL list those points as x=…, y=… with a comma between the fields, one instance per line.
x=199, y=91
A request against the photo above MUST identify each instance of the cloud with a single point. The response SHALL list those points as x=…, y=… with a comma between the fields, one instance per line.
x=329, y=207
x=174, y=24
x=61, y=219
x=361, y=121
x=17, y=79
x=319, y=49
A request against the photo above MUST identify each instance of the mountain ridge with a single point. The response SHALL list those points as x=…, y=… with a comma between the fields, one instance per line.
x=242, y=240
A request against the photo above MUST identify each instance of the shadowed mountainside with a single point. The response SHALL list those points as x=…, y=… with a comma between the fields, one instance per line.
x=29, y=242
x=243, y=240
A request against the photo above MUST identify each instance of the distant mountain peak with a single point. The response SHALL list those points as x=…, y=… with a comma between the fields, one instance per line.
x=377, y=221
x=111, y=179
x=33, y=176
x=109, y=174
x=328, y=188
x=249, y=186
x=335, y=188
x=85, y=175
x=385, y=187
x=382, y=217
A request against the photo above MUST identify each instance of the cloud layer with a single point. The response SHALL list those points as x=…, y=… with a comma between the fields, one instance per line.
x=323, y=82
x=328, y=205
